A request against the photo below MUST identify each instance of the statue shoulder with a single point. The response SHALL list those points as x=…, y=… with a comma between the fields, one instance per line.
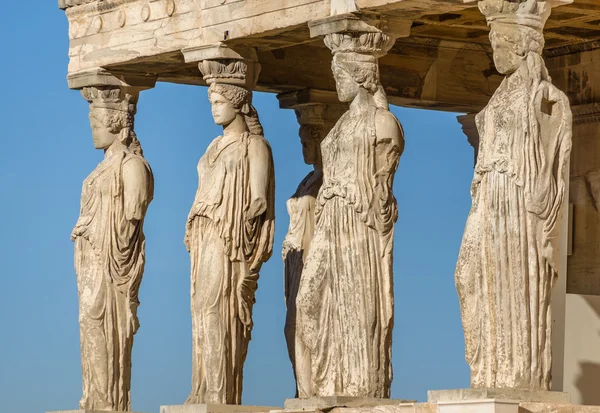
x=388, y=128
x=259, y=144
x=136, y=164
x=254, y=139
x=550, y=101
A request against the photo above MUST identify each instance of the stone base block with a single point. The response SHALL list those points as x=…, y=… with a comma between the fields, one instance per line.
x=85, y=411
x=390, y=408
x=539, y=396
x=215, y=408
x=556, y=408
x=331, y=402
x=479, y=406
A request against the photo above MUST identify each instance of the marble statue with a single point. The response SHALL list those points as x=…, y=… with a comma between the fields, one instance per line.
x=110, y=250
x=345, y=296
x=229, y=236
x=508, y=260
x=315, y=123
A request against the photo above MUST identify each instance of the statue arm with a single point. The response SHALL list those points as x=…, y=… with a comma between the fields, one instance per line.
x=137, y=191
x=260, y=175
x=389, y=144
x=554, y=117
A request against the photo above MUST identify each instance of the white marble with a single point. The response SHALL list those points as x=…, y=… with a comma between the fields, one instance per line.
x=229, y=235
x=508, y=260
x=345, y=297
x=110, y=250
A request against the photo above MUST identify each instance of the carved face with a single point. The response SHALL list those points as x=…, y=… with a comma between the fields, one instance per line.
x=347, y=87
x=310, y=137
x=222, y=110
x=507, y=56
x=101, y=134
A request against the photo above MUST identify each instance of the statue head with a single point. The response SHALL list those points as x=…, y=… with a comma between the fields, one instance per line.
x=230, y=101
x=516, y=30
x=109, y=126
x=353, y=71
x=355, y=63
x=311, y=137
x=112, y=112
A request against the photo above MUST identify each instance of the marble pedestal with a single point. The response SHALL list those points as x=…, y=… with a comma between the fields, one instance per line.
x=331, y=402
x=215, y=408
x=479, y=406
x=538, y=396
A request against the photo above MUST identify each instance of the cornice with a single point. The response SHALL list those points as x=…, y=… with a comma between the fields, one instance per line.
x=586, y=114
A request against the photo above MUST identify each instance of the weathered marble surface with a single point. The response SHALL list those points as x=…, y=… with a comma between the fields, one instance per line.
x=342, y=403
x=508, y=260
x=84, y=411
x=556, y=408
x=345, y=297
x=110, y=250
x=229, y=235
x=215, y=408
x=435, y=396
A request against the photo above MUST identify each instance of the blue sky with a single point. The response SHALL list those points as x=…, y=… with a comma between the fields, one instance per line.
x=46, y=153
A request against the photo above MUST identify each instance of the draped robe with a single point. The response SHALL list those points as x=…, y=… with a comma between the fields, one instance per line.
x=345, y=297
x=508, y=258
x=109, y=262
x=227, y=249
x=301, y=208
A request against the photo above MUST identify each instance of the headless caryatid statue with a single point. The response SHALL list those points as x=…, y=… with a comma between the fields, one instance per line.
x=315, y=123
x=508, y=260
x=229, y=236
x=110, y=250
x=345, y=297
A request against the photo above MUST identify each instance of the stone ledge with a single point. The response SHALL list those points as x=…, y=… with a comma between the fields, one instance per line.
x=398, y=408
x=85, y=411
x=215, y=408
x=556, y=408
x=331, y=402
x=521, y=395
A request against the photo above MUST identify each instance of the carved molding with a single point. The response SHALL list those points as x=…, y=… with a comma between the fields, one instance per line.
x=220, y=63
x=586, y=114
x=102, y=77
x=93, y=5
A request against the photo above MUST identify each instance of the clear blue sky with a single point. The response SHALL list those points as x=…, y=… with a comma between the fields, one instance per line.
x=46, y=153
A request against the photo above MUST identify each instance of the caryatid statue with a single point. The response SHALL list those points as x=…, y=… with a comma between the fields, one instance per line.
x=229, y=234
x=316, y=120
x=508, y=260
x=110, y=249
x=345, y=297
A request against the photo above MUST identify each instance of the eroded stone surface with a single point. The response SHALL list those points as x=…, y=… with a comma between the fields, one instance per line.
x=345, y=404
x=509, y=255
x=110, y=249
x=86, y=411
x=434, y=396
x=556, y=408
x=215, y=408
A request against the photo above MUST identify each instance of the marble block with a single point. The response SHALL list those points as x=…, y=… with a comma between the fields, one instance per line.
x=556, y=408
x=479, y=406
x=392, y=408
x=330, y=402
x=215, y=408
x=436, y=396
x=85, y=411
